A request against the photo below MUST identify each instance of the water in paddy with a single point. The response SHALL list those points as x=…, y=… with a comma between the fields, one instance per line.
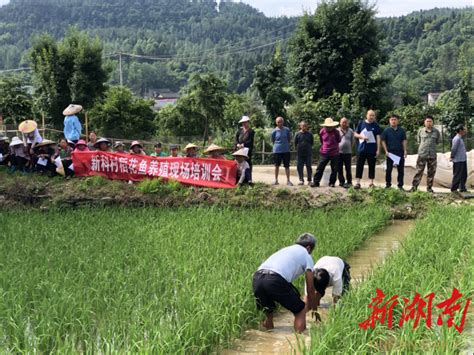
x=282, y=339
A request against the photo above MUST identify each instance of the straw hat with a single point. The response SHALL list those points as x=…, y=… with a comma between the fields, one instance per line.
x=190, y=146
x=16, y=141
x=45, y=143
x=328, y=122
x=72, y=110
x=101, y=140
x=213, y=148
x=81, y=142
x=134, y=143
x=244, y=119
x=242, y=153
x=27, y=126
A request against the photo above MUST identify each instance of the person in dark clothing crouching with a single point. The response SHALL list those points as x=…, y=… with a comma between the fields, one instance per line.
x=272, y=283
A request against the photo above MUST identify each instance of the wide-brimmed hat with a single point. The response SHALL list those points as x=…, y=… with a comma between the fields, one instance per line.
x=213, y=148
x=81, y=142
x=243, y=152
x=3, y=139
x=329, y=122
x=190, y=146
x=134, y=143
x=15, y=141
x=45, y=143
x=71, y=143
x=27, y=126
x=244, y=119
x=119, y=144
x=101, y=140
x=72, y=110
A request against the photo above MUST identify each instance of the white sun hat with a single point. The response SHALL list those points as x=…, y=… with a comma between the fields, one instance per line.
x=244, y=119
x=244, y=152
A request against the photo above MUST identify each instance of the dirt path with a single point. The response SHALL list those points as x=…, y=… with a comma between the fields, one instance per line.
x=282, y=340
x=266, y=174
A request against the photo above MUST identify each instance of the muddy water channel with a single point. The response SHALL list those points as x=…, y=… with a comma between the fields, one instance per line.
x=282, y=339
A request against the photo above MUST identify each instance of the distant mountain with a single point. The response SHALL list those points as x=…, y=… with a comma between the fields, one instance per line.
x=424, y=49
x=203, y=35
x=196, y=36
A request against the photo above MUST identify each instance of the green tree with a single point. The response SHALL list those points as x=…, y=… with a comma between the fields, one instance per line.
x=207, y=93
x=122, y=115
x=412, y=116
x=327, y=45
x=359, y=86
x=199, y=111
x=69, y=71
x=16, y=103
x=237, y=105
x=455, y=105
x=314, y=112
x=270, y=82
x=180, y=120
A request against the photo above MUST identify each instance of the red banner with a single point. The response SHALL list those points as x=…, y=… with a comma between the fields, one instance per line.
x=215, y=173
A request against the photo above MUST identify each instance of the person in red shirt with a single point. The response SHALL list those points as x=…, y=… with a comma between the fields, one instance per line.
x=329, y=152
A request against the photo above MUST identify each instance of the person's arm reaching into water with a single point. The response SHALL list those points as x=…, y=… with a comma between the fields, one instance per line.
x=311, y=302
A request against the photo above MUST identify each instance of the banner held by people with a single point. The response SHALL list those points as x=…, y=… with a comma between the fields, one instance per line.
x=191, y=171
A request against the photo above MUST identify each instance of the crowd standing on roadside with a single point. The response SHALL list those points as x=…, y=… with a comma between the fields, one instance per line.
x=32, y=153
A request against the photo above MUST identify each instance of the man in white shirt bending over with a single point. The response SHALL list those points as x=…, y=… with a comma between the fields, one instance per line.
x=331, y=271
x=272, y=283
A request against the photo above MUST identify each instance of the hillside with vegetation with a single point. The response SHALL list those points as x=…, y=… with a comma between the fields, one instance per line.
x=227, y=60
x=422, y=49
x=183, y=37
x=427, y=50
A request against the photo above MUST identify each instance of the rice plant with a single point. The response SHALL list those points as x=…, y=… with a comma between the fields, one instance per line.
x=436, y=257
x=148, y=280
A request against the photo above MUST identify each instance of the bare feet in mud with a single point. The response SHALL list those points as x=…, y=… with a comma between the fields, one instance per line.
x=267, y=324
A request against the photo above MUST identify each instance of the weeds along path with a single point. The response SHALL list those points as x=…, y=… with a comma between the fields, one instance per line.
x=282, y=339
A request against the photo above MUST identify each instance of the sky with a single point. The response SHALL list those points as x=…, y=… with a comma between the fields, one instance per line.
x=385, y=7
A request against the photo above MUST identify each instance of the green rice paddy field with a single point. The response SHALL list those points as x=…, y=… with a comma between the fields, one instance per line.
x=153, y=280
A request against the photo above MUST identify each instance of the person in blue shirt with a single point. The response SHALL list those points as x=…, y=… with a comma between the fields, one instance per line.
x=281, y=138
x=459, y=158
x=72, y=126
x=394, y=141
x=368, y=132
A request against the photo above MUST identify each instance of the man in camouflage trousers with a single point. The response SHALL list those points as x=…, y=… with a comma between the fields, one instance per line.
x=428, y=137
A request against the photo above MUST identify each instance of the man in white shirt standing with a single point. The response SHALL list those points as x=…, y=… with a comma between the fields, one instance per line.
x=272, y=283
x=331, y=271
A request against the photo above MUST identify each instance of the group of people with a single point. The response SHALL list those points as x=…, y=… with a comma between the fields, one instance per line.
x=337, y=146
x=35, y=154
x=272, y=283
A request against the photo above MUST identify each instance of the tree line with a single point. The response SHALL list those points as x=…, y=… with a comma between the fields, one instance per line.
x=341, y=60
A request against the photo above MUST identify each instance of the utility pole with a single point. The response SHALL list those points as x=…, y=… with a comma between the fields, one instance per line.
x=120, y=68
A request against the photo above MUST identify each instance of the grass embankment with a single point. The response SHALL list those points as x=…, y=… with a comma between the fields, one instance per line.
x=436, y=257
x=34, y=191
x=148, y=280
